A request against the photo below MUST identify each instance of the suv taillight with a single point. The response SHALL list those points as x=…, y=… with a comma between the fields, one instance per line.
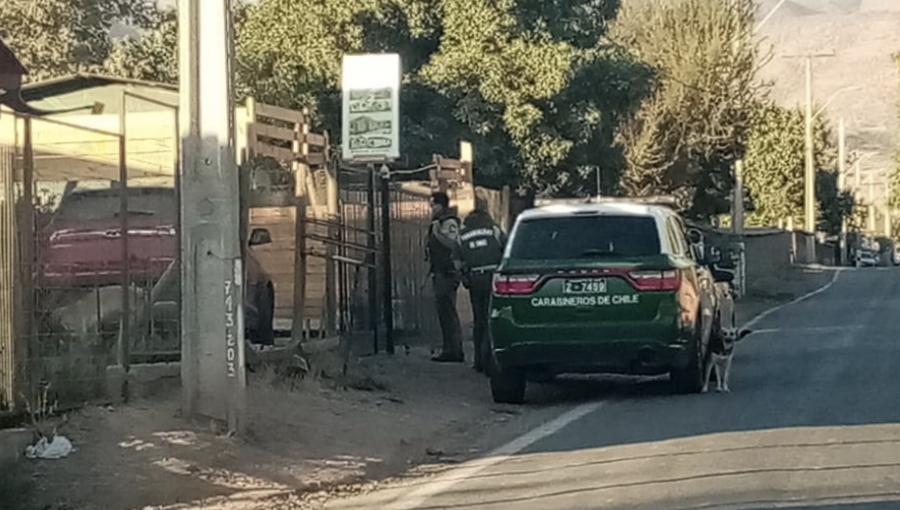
x=515, y=285
x=656, y=280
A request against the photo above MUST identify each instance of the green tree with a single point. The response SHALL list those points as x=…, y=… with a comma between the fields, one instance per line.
x=528, y=79
x=152, y=55
x=835, y=205
x=685, y=137
x=774, y=165
x=58, y=37
x=528, y=82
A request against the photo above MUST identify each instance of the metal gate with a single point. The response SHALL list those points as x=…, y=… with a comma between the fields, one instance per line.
x=8, y=265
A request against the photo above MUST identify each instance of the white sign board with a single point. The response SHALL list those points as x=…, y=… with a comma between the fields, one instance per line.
x=371, y=107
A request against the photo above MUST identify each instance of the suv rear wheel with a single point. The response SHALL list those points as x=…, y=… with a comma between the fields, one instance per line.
x=507, y=385
x=690, y=378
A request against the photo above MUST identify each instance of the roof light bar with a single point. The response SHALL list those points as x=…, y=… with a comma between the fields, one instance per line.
x=653, y=200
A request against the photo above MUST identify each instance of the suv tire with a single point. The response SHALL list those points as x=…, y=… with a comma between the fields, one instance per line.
x=689, y=379
x=507, y=385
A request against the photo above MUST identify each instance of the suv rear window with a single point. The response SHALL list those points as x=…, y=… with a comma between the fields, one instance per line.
x=103, y=205
x=573, y=237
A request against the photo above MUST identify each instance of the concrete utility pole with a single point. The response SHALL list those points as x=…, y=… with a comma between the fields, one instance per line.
x=871, y=208
x=212, y=316
x=888, y=230
x=842, y=182
x=809, y=195
x=738, y=198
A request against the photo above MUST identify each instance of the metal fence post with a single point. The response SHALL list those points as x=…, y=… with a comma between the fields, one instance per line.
x=125, y=323
x=387, y=288
x=27, y=254
x=9, y=351
x=373, y=277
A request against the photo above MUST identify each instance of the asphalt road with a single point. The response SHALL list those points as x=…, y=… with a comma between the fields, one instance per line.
x=813, y=422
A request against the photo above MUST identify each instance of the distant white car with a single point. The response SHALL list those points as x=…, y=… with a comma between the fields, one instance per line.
x=865, y=258
x=895, y=255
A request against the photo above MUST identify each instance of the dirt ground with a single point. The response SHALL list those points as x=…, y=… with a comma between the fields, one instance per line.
x=401, y=412
x=401, y=416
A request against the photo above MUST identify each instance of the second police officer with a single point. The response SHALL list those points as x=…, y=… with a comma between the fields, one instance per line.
x=481, y=248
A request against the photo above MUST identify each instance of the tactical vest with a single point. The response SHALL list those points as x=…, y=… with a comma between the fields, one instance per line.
x=440, y=256
x=480, y=247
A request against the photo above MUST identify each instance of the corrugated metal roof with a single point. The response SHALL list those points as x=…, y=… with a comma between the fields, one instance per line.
x=65, y=84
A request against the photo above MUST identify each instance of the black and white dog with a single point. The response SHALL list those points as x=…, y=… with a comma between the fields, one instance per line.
x=721, y=354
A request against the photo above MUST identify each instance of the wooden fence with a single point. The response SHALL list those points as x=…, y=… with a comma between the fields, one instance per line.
x=285, y=136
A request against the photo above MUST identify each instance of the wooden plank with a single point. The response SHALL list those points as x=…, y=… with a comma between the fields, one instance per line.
x=279, y=113
x=450, y=164
x=278, y=259
x=316, y=140
x=315, y=159
x=276, y=152
x=270, y=131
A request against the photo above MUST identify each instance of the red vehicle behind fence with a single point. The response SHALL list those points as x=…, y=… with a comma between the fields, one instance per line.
x=82, y=245
x=82, y=248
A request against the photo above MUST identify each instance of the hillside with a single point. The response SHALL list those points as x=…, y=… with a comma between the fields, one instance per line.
x=864, y=34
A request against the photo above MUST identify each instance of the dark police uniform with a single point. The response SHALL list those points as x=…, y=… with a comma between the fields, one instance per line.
x=443, y=255
x=481, y=248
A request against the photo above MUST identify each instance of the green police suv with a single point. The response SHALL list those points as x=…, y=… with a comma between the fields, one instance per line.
x=602, y=287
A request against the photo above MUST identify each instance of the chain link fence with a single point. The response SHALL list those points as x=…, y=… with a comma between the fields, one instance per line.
x=90, y=215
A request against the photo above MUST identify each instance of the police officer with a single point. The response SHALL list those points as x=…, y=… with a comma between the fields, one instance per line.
x=481, y=248
x=443, y=256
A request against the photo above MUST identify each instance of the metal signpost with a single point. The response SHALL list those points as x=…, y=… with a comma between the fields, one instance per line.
x=212, y=331
x=371, y=136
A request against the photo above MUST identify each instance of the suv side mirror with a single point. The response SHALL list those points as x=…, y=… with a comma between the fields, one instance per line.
x=695, y=236
x=260, y=236
x=722, y=275
x=697, y=251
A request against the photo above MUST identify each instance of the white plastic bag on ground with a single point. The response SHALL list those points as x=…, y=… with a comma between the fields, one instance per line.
x=56, y=448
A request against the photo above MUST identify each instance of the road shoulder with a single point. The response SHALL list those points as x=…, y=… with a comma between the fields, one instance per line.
x=798, y=281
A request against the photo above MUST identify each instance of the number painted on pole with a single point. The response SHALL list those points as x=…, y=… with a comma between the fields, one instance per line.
x=230, y=333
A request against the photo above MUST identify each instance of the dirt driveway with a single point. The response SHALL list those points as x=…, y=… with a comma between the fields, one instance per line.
x=400, y=413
